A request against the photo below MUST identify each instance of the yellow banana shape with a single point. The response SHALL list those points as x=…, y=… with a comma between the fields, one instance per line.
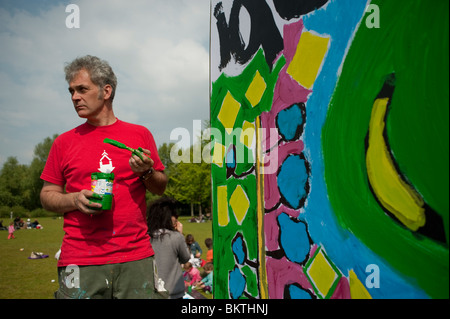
x=398, y=198
x=392, y=191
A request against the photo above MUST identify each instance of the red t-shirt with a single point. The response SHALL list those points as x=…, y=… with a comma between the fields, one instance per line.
x=120, y=234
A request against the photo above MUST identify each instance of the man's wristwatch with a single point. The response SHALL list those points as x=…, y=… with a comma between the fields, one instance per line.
x=146, y=176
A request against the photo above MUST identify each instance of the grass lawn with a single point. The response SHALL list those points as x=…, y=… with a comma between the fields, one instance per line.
x=200, y=231
x=23, y=278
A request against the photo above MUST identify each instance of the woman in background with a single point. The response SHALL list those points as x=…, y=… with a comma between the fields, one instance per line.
x=169, y=245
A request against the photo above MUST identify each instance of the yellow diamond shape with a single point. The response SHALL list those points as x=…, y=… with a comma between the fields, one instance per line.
x=228, y=112
x=239, y=203
x=308, y=59
x=256, y=89
x=322, y=274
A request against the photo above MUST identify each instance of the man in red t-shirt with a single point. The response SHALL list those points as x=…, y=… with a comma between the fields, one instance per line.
x=105, y=253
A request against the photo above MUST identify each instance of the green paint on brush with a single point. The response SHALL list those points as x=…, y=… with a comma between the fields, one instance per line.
x=138, y=152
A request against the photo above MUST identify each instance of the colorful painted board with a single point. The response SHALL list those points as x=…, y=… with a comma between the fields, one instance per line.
x=330, y=126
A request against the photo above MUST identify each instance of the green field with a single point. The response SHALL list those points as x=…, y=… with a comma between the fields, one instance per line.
x=23, y=278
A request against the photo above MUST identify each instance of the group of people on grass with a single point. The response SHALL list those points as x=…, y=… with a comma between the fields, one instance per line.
x=19, y=224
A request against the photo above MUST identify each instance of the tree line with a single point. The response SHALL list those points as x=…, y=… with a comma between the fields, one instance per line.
x=20, y=185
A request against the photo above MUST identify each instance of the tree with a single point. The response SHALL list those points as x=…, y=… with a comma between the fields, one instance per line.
x=12, y=182
x=164, y=155
x=190, y=183
x=20, y=185
x=35, y=182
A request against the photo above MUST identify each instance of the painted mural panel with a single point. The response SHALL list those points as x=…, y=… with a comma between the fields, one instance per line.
x=330, y=148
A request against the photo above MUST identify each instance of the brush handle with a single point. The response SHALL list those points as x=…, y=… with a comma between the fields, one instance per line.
x=118, y=144
x=138, y=152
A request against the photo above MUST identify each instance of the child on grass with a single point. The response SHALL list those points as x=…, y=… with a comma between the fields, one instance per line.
x=194, y=247
x=196, y=252
x=191, y=275
x=209, y=254
x=207, y=283
x=11, y=231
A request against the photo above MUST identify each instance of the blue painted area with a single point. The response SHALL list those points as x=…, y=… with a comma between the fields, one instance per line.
x=238, y=250
x=294, y=239
x=231, y=158
x=236, y=283
x=289, y=122
x=298, y=293
x=339, y=20
x=292, y=179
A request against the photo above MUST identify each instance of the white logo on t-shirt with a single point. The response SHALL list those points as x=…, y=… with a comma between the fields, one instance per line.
x=106, y=167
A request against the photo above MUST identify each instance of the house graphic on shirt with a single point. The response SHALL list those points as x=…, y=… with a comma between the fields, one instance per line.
x=106, y=164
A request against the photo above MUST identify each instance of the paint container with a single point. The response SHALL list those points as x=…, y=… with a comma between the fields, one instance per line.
x=102, y=184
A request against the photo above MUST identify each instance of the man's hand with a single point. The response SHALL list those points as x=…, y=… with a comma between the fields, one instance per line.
x=54, y=199
x=140, y=166
x=179, y=227
x=158, y=180
x=84, y=204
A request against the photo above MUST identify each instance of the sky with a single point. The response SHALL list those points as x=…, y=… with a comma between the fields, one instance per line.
x=158, y=49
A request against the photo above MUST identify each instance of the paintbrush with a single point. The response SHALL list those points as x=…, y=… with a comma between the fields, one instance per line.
x=138, y=152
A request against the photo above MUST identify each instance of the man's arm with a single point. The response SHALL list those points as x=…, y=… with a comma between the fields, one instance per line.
x=155, y=182
x=53, y=198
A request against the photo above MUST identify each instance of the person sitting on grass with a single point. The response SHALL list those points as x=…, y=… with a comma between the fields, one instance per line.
x=194, y=246
x=209, y=254
x=191, y=275
x=207, y=283
x=196, y=251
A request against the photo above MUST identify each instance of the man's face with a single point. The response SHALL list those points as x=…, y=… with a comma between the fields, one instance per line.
x=86, y=96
